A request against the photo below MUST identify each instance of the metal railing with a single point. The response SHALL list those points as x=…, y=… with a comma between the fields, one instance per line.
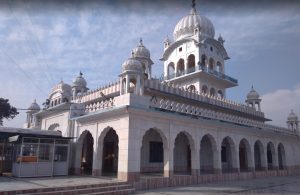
x=203, y=69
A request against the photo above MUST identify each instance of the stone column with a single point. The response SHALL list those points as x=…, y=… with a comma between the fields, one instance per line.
x=250, y=158
x=168, y=162
x=186, y=62
x=121, y=87
x=129, y=155
x=236, y=158
x=195, y=160
x=138, y=85
x=217, y=161
x=127, y=84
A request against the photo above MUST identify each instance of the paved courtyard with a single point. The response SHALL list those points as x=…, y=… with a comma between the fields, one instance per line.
x=12, y=183
x=276, y=185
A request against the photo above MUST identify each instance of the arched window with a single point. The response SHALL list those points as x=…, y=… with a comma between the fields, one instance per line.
x=180, y=67
x=220, y=94
x=123, y=85
x=204, y=89
x=212, y=92
x=211, y=64
x=191, y=63
x=203, y=61
x=132, y=85
x=53, y=127
x=192, y=88
x=219, y=67
x=171, y=70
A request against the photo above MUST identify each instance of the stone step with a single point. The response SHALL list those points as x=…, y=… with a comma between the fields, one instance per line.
x=85, y=190
x=116, y=192
x=71, y=189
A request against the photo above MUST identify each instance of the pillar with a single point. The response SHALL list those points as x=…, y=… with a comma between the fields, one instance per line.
x=129, y=155
x=138, y=85
x=127, y=84
x=195, y=155
x=168, y=162
x=217, y=161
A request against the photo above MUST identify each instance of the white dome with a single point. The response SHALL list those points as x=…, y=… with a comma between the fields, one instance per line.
x=292, y=116
x=132, y=64
x=186, y=26
x=79, y=81
x=34, y=107
x=252, y=94
x=141, y=51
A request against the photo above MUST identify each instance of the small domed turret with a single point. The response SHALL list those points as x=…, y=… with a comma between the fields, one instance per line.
x=34, y=107
x=292, y=121
x=79, y=85
x=141, y=51
x=31, y=121
x=132, y=64
x=253, y=99
x=142, y=54
x=292, y=116
x=132, y=76
x=79, y=81
x=252, y=94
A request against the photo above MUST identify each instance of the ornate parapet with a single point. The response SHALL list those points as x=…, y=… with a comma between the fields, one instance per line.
x=105, y=91
x=201, y=97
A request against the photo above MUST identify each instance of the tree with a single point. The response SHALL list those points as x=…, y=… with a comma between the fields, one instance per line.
x=6, y=110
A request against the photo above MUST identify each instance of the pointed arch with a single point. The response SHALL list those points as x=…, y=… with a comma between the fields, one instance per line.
x=153, y=151
x=171, y=70
x=228, y=155
x=245, y=155
x=208, y=154
x=180, y=67
x=259, y=155
x=191, y=63
x=84, y=153
x=281, y=156
x=184, y=151
x=271, y=156
x=204, y=89
x=211, y=64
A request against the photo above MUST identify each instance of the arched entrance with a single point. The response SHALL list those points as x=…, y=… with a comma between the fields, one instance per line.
x=110, y=153
x=182, y=155
x=244, y=155
x=271, y=156
x=258, y=156
x=281, y=157
x=227, y=155
x=87, y=152
x=208, y=151
x=152, y=153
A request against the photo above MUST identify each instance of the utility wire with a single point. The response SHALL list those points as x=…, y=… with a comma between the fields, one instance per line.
x=22, y=70
x=31, y=49
x=39, y=45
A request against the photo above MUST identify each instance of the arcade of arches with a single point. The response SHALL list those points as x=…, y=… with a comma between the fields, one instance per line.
x=227, y=156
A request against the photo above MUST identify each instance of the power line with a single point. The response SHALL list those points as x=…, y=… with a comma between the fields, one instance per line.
x=31, y=49
x=22, y=70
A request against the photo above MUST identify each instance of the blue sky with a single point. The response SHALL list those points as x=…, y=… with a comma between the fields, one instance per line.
x=42, y=42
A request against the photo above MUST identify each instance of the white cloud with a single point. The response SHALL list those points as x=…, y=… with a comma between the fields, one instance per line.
x=278, y=104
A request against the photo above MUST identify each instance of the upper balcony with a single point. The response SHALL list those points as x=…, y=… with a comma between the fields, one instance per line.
x=206, y=72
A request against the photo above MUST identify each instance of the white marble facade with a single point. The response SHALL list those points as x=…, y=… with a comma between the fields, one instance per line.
x=181, y=124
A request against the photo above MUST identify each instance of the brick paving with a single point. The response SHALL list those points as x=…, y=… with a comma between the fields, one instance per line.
x=265, y=186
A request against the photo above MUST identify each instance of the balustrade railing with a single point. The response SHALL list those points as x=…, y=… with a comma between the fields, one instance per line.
x=202, y=69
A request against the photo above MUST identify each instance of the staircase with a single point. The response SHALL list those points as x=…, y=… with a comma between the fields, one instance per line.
x=111, y=188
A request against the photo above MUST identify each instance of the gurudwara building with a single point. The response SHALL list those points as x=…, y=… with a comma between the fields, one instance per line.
x=180, y=128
